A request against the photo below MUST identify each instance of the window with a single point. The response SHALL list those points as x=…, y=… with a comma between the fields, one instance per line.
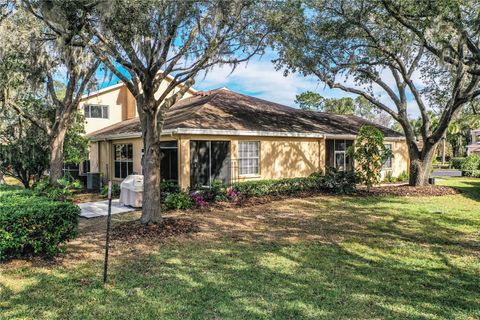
x=86, y=166
x=388, y=163
x=123, y=154
x=337, y=157
x=95, y=111
x=248, y=157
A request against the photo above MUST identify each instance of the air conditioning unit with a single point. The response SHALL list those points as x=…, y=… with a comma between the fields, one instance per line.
x=94, y=182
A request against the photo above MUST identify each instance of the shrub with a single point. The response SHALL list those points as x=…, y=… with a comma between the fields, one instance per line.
x=61, y=192
x=342, y=182
x=260, y=188
x=199, y=199
x=370, y=154
x=115, y=190
x=471, y=166
x=179, y=201
x=169, y=187
x=403, y=177
x=456, y=163
x=389, y=177
x=30, y=224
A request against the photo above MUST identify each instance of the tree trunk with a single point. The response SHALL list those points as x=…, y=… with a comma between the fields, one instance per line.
x=151, y=210
x=421, y=165
x=56, y=156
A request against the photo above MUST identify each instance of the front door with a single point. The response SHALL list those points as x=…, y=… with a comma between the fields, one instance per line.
x=209, y=160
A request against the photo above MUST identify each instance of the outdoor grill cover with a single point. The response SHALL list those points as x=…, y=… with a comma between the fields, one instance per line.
x=131, y=191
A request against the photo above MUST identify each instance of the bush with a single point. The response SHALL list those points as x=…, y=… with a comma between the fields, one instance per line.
x=389, y=177
x=179, y=201
x=260, y=188
x=402, y=177
x=341, y=182
x=471, y=166
x=30, y=224
x=456, y=163
x=115, y=190
x=61, y=192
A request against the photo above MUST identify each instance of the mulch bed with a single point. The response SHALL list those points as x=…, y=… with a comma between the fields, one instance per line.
x=408, y=191
x=170, y=227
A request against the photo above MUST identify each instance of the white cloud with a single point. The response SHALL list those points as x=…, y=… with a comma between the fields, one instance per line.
x=260, y=79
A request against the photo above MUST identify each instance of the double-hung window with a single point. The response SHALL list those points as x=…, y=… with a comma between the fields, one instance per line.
x=388, y=163
x=123, y=154
x=249, y=158
x=95, y=111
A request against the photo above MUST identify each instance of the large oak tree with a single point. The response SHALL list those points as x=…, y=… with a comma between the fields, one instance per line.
x=35, y=56
x=150, y=43
x=358, y=46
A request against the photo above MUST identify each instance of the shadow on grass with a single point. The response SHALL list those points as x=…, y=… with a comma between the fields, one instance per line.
x=237, y=281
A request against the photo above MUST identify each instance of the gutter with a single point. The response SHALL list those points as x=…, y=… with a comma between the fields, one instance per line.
x=240, y=133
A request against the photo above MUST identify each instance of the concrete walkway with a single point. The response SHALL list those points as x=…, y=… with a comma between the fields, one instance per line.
x=100, y=208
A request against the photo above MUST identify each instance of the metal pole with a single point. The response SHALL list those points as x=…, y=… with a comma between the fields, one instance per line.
x=107, y=240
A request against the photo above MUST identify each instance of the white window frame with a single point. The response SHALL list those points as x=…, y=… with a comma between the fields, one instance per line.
x=247, y=158
x=344, y=152
x=391, y=158
x=120, y=161
x=87, y=111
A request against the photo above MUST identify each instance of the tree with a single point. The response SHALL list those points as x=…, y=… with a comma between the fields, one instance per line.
x=370, y=154
x=23, y=147
x=57, y=53
x=354, y=45
x=312, y=101
x=150, y=43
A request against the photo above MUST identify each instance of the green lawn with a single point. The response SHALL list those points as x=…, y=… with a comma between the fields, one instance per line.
x=324, y=257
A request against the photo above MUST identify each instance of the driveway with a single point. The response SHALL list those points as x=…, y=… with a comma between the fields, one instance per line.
x=100, y=208
x=446, y=173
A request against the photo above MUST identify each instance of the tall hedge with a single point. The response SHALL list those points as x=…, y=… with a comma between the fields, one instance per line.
x=34, y=225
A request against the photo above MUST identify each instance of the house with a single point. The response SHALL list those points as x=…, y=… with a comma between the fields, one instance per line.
x=229, y=136
x=474, y=147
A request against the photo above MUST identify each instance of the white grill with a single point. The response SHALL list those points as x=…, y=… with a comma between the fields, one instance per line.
x=131, y=191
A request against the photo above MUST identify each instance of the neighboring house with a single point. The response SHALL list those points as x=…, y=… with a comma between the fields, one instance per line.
x=229, y=136
x=474, y=147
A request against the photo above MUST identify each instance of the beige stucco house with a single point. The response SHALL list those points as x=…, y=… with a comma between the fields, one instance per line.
x=225, y=135
x=474, y=146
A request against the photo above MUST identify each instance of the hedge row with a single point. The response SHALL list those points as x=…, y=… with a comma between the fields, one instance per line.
x=338, y=182
x=30, y=224
x=470, y=165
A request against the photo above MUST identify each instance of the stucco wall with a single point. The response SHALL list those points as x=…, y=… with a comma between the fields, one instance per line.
x=279, y=157
x=400, y=159
x=122, y=106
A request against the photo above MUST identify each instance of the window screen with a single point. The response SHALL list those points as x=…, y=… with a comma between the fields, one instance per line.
x=249, y=157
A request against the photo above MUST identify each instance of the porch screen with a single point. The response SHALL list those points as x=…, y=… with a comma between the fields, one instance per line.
x=336, y=154
x=123, y=154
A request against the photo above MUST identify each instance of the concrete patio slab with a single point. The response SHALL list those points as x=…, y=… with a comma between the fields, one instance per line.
x=100, y=208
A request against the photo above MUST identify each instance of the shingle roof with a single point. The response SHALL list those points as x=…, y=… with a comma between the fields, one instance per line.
x=222, y=109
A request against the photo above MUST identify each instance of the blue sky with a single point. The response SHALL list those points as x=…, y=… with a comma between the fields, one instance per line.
x=259, y=78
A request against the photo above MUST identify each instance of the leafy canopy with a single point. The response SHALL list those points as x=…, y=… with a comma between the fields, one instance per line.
x=370, y=153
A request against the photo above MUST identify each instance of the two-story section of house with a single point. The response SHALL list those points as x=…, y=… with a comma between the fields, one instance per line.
x=105, y=108
x=474, y=147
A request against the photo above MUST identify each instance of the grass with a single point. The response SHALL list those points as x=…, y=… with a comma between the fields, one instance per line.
x=323, y=257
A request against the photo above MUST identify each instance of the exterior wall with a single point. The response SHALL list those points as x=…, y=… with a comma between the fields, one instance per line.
x=279, y=157
x=119, y=100
x=400, y=159
x=122, y=105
